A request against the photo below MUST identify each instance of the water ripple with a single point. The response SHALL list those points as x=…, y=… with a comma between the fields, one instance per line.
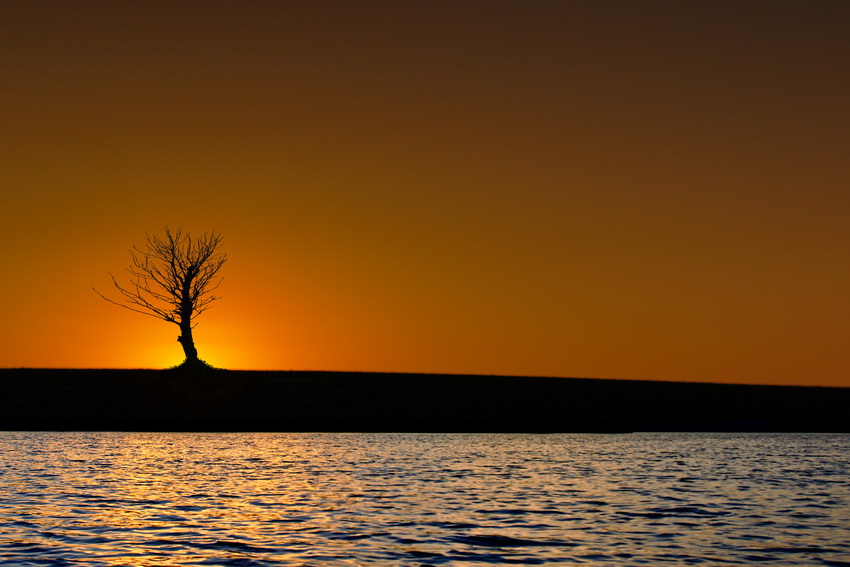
x=154, y=500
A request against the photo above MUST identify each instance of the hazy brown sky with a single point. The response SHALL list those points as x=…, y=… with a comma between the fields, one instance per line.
x=603, y=188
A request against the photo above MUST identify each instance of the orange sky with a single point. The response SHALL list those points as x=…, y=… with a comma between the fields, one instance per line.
x=625, y=189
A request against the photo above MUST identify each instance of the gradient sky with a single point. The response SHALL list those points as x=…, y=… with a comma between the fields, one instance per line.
x=620, y=189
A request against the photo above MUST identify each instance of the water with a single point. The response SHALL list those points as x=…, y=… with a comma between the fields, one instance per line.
x=152, y=499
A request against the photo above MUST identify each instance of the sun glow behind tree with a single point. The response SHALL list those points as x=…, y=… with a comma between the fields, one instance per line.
x=173, y=279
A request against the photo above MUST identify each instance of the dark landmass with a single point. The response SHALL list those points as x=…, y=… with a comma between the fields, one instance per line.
x=221, y=400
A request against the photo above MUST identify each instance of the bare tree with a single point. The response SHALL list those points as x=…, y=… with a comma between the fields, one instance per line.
x=173, y=278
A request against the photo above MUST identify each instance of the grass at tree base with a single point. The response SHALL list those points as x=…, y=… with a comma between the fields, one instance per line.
x=193, y=366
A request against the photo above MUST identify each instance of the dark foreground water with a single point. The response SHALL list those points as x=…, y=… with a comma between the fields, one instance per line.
x=145, y=499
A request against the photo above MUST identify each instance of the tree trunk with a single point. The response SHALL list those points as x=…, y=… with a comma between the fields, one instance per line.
x=186, y=308
x=188, y=343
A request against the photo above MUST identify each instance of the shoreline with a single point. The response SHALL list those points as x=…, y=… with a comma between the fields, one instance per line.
x=319, y=401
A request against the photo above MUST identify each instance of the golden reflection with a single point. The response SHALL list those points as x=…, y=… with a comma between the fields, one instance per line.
x=310, y=499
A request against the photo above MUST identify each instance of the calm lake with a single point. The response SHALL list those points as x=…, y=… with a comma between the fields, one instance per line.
x=146, y=499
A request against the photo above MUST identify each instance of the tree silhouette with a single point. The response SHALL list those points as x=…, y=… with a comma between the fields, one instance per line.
x=173, y=278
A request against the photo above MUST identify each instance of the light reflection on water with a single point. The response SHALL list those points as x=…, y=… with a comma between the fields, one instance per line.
x=146, y=499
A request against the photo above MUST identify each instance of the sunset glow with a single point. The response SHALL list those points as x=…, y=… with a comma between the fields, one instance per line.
x=655, y=190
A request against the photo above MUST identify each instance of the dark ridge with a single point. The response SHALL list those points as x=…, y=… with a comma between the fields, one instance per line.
x=222, y=400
